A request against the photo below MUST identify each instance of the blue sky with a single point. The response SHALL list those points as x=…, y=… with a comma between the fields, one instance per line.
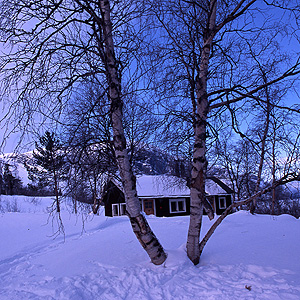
x=12, y=141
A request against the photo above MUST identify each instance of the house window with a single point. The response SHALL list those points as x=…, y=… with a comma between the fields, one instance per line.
x=148, y=204
x=222, y=202
x=115, y=209
x=118, y=209
x=177, y=205
x=122, y=209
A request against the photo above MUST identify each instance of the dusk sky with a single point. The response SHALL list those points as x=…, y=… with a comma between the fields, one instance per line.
x=9, y=141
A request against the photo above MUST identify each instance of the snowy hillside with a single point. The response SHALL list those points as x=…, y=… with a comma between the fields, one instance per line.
x=249, y=257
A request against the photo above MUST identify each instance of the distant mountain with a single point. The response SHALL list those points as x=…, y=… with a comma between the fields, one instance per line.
x=147, y=160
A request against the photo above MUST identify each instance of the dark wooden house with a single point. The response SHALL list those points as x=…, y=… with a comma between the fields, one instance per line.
x=165, y=196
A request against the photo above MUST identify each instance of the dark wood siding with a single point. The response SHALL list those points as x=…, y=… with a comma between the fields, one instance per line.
x=162, y=207
x=219, y=210
x=112, y=195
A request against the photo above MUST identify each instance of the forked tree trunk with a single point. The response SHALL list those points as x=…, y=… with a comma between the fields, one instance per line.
x=139, y=224
x=199, y=163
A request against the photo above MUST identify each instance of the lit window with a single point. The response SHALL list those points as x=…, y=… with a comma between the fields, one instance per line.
x=222, y=202
x=177, y=205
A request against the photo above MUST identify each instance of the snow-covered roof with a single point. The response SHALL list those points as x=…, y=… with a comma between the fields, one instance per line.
x=212, y=188
x=171, y=186
x=161, y=186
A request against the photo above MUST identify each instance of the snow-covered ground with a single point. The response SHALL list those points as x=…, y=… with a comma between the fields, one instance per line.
x=248, y=257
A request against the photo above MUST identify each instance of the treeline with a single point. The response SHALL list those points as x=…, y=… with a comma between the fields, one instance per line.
x=79, y=173
x=9, y=183
x=12, y=184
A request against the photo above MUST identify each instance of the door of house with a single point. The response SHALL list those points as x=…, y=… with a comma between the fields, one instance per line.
x=149, y=206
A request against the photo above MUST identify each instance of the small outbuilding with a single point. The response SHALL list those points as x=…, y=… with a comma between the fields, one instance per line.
x=165, y=196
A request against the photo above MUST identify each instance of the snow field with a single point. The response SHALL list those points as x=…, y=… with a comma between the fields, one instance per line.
x=248, y=257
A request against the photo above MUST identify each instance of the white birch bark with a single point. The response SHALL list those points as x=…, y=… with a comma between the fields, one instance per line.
x=139, y=224
x=199, y=159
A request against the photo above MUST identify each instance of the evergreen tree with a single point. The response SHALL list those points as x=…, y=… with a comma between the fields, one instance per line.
x=49, y=165
x=11, y=185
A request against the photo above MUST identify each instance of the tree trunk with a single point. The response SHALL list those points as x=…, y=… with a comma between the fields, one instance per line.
x=56, y=192
x=75, y=205
x=139, y=224
x=263, y=149
x=74, y=193
x=199, y=163
x=273, y=169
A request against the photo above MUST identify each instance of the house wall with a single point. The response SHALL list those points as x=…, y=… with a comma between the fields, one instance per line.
x=219, y=210
x=113, y=195
x=214, y=201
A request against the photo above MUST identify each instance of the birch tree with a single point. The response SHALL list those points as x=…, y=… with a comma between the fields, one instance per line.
x=53, y=47
x=215, y=52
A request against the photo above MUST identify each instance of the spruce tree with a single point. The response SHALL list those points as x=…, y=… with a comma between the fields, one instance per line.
x=10, y=184
x=49, y=165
